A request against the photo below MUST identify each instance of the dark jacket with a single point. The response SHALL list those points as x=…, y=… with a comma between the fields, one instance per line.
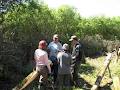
x=77, y=52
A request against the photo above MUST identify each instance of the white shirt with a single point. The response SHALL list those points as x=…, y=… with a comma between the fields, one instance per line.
x=41, y=58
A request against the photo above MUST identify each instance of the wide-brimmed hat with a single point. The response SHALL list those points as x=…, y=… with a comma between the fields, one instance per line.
x=73, y=38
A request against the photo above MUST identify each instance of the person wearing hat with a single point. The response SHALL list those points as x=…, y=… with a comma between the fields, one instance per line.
x=76, y=57
x=53, y=48
x=42, y=62
x=64, y=68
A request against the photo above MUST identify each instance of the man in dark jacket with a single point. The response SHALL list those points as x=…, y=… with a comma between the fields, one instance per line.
x=76, y=56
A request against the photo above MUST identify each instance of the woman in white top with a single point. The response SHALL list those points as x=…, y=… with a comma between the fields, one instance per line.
x=41, y=59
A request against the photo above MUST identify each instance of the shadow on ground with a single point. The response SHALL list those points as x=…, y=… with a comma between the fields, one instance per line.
x=86, y=69
x=83, y=84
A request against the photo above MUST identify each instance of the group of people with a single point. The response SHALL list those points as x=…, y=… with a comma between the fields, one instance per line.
x=65, y=65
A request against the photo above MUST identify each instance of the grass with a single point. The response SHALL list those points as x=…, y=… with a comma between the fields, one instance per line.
x=92, y=68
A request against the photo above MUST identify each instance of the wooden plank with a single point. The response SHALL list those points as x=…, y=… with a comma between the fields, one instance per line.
x=26, y=81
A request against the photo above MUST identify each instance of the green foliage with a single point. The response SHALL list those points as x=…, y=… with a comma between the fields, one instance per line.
x=66, y=22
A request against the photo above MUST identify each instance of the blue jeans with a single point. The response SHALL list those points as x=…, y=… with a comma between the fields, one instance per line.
x=54, y=67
